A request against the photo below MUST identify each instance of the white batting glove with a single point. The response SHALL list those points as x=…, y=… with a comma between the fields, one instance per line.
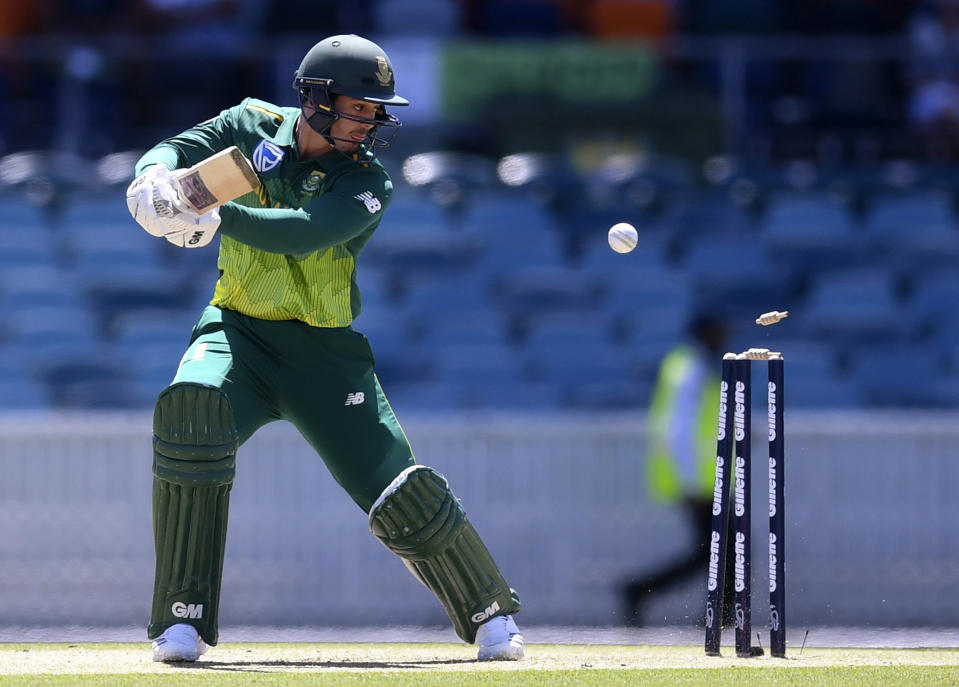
x=138, y=199
x=150, y=196
x=190, y=230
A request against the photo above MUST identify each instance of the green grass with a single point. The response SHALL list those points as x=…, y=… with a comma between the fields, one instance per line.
x=428, y=665
x=862, y=676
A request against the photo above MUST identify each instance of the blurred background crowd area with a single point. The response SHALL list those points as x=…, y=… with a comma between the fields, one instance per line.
x=773, y=155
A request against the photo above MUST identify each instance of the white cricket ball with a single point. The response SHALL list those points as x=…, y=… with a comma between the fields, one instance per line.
x=623, y=237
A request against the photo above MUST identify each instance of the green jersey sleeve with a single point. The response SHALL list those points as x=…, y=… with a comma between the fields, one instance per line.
x=351, y=205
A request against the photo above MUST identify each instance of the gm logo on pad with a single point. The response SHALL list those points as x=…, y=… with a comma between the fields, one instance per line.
x=266, y=156
x=182, y=610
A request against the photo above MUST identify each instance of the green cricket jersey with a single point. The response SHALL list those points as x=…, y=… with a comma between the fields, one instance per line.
x=287, y=251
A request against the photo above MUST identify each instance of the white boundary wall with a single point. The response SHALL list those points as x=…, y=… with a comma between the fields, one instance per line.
x=872, y=513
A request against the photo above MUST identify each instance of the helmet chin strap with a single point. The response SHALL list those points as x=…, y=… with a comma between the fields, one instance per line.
x=323, y=118
x=321, y=122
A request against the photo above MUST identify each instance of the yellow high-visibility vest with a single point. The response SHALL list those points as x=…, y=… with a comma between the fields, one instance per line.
x=664, y=475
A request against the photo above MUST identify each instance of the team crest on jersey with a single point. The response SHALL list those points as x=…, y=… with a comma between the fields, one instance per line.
x=370, y=201
x=266, y=156
x=312, y=182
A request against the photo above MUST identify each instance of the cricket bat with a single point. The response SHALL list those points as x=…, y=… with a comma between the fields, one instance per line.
x=220, y=178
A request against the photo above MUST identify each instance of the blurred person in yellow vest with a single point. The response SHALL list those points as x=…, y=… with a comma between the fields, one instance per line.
x=681, y=458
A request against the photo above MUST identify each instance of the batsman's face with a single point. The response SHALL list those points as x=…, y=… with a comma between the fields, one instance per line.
x=349, y=133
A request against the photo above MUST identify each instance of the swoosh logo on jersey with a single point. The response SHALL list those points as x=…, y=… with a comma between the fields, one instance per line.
x=266, y=156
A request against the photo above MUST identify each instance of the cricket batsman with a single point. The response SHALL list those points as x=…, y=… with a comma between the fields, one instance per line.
x=277, y=343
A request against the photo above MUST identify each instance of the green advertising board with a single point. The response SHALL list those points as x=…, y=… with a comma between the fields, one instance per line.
x=475, y=74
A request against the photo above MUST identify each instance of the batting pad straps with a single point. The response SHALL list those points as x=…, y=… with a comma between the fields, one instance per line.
x=418, y=518
x=195, y=443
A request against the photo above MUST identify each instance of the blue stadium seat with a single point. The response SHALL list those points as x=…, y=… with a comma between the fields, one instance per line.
x=913, y=231
x=42, y=329
x=136, y=330
x=490, y=376
x=97, y=245
x=479, y=375
x=652, y=320
x=735, y=269
x=83, y=375
x=36, y=286
x=19, y=390
x=655, y=302
x=499, y=257
x=507, y=216
x=513, y=232
x=809, y=229
x=567, y=357
x=590, y=368
x=387, y=327
x=934, y=298
x=403, y=365
x=412, y=213
x=197, y=266
x=99, y=211
x=410, y=254
x=28, y=245
x=856, y=304
x=590, y=331
x=532, y=292
x=479, y=325
x=618, y=395
x=156, y=365
x=376, y=287
x=904, y=375
x=696, y=214
x=494, y=362
x=17, y=214
x=445, y=293
x=132, y=287
x=918, y=215
x=22, y=393
x=420, y=396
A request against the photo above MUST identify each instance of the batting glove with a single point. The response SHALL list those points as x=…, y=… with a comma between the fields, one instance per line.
x=190, y=230
x=140, y=196
x=152, y=196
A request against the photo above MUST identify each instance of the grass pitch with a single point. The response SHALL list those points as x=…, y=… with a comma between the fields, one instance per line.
x=401, y=665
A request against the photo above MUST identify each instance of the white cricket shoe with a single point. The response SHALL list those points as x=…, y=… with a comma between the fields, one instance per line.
x=499, y=640
x=179, y=642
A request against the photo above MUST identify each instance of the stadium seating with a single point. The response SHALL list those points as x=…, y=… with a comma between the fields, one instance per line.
x=508, y=296
x=918, y=230
x=858, y=304
x=807, y=229
x=904, y=375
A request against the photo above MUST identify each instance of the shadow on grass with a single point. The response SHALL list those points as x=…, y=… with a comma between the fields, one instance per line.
x=257, y=666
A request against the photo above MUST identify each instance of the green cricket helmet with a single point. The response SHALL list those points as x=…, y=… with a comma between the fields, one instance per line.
x=352, y=66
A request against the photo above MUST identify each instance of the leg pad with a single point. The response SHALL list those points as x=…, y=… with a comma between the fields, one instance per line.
x=419, y=519
x=194, y=461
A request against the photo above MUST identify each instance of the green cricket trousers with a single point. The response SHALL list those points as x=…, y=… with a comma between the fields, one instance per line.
x=319, y=379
